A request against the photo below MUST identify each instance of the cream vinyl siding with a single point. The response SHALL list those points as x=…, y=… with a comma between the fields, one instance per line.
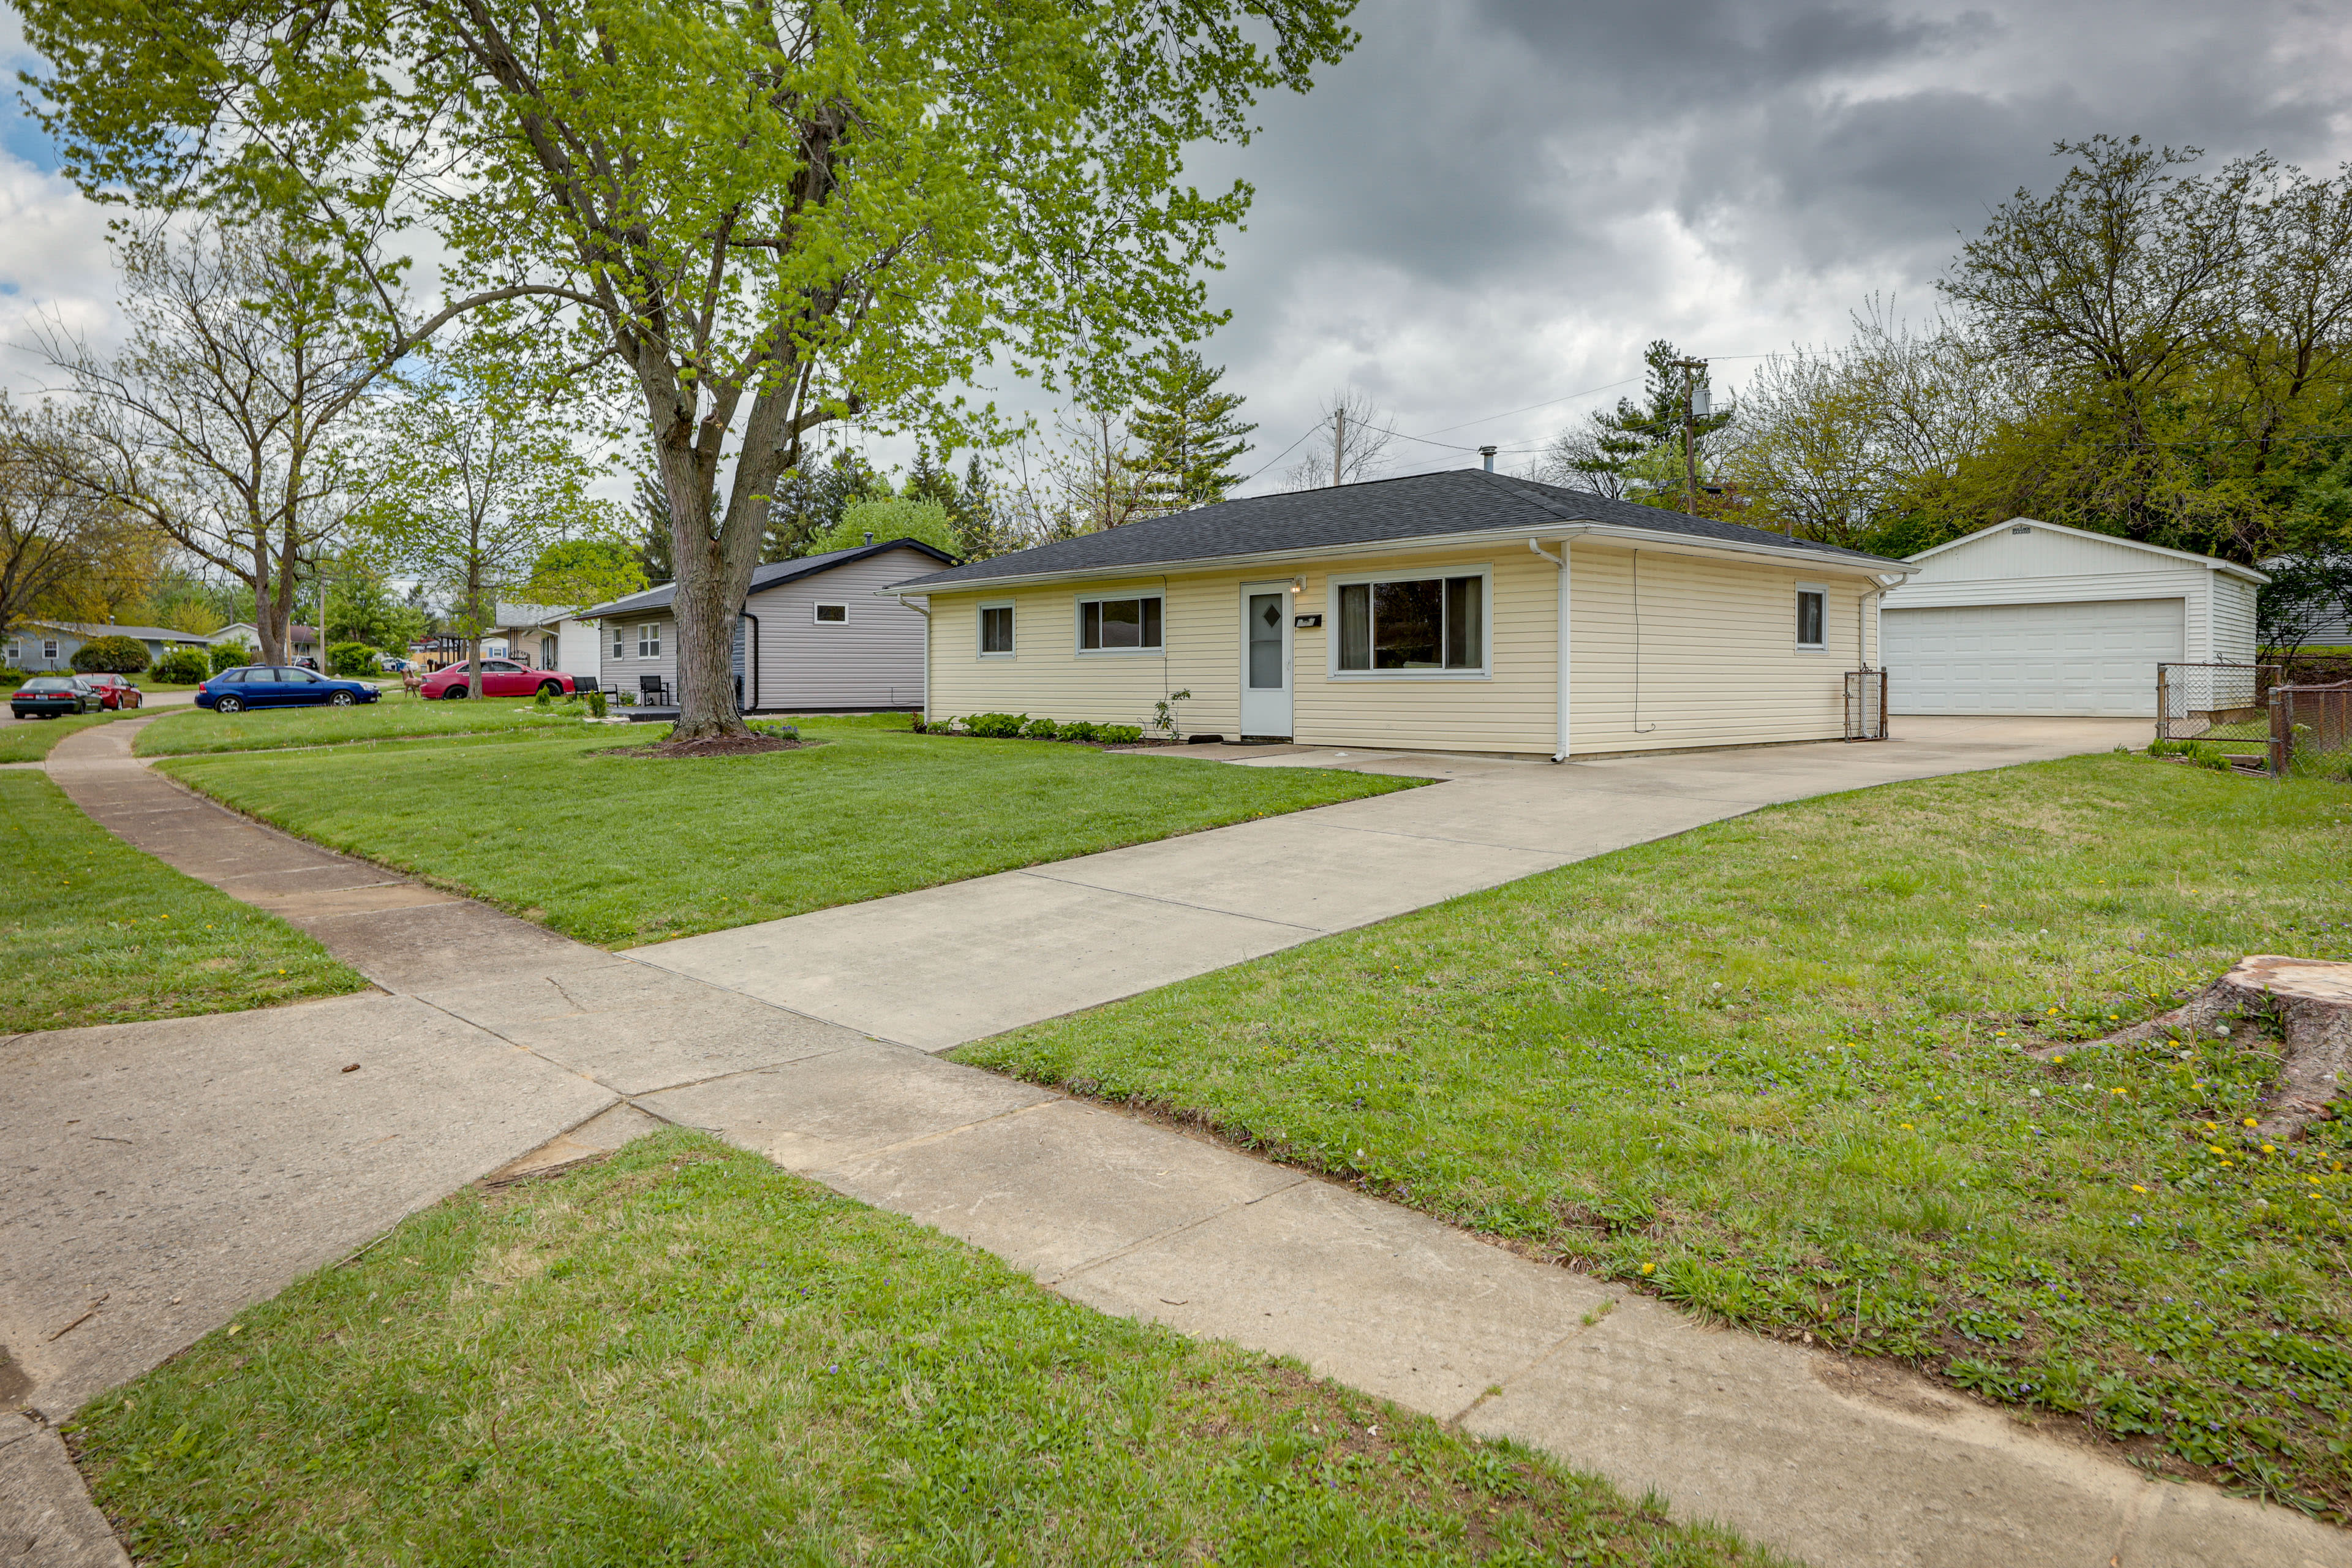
x=1047, y=678
x=873, y=659
x=1717, y=662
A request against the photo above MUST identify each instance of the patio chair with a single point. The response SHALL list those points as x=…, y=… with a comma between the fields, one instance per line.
x=653, y=691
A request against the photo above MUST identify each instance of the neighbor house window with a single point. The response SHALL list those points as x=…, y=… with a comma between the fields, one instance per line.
x=15, y=650
x=1119, y=625
x=831, y=615
x=620, y=641
x=649, y=640
x=1812, y=616
x=1414, y=626
x=49, y=647
x=996, y=628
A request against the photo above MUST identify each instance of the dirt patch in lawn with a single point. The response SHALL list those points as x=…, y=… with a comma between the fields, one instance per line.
x=711, y=746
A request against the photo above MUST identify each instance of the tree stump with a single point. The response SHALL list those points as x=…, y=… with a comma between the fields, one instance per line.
x=2312, y=998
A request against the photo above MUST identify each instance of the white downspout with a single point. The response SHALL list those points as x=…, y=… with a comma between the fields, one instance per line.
x=1560, y=665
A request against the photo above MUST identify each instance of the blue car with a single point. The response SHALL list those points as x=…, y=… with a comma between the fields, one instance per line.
x=279, y=686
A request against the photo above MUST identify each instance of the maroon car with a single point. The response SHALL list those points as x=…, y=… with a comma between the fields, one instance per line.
x=500, y=678
x=114, y=691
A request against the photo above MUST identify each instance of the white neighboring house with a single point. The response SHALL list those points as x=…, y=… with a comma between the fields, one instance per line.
x=818, y=633
x=2036, y=618
x=545, y=636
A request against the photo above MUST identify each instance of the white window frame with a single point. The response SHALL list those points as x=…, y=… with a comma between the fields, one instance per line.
x=620, y=640
x=1796, y=602
x=649, y=639
x=50, y=648
x=1482, y=570
x=817, y=615
x=1078, y=602
x=15, y=650
x=980, y=627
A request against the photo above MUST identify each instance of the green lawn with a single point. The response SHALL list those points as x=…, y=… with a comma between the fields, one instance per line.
x=98, y=933
x=621, y=850
x=396, y=714
x=1768, y=1070
x=688, y=1355
x=33, y=740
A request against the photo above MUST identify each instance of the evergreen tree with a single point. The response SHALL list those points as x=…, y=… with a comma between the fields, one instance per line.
x=811, y=499
x=653, y=538
x=1189, y=432
x=1634, y=451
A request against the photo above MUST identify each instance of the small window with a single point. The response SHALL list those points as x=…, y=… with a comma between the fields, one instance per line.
x=1812, y=615
x=649, y=640
x=48, y=647
x=831, y=615
x=996, y=628
x=620, y=641
x=1119, y=625
x=1414, y=625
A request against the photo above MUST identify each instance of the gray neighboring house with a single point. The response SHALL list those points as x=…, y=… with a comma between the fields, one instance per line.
x=50, y=644
x=820, y=633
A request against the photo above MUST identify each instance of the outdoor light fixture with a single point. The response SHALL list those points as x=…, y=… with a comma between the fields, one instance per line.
x=1298, y=584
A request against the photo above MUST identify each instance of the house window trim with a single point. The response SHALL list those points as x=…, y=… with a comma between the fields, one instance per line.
x=817, y=617
x=1795, y=605
x=979, y=629
x=1078, y=602
x=1482, y=570
x=644, y=651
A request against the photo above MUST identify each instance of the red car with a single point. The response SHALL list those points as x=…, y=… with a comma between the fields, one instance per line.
x=114, y=691
x=500, y=678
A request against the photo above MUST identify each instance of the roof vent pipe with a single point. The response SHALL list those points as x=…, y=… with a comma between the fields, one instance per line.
x=869, y=536
x=1488, y=453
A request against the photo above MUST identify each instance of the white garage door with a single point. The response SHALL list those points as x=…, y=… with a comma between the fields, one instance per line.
x=2094, y=658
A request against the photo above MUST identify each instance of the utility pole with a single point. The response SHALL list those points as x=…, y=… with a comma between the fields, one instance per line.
x=1338, y=443
x=1695, y=408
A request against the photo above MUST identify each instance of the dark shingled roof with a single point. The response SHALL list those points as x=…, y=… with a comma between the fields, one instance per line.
x=1461, y=500
x=769, y=575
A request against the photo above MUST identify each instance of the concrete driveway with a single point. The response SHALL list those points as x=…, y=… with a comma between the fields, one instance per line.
x=1000, y=952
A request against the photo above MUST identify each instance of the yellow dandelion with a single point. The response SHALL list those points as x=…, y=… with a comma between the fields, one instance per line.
x=1649, y=1268
x=2268, y=1149
x=2115, y=1092
x=1906, y=1127
x=2249, y=1122
x=2229, y=1165
x=2138, y=1188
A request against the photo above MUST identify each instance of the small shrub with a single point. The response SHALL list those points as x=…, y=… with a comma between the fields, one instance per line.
x=350, y=660
x=1120, y=734
x=11, y=677
x=1041, y=730
x=229, y=655
x=596, y=702
x=184, y=666
x=996, y=726
x=1081, y=730
x=111, y=654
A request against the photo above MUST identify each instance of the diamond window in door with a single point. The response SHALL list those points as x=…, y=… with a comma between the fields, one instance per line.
x=1266, y=642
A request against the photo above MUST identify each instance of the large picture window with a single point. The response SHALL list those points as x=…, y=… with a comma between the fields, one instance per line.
x=1119, y=625
x=996, y=628
x=1414, y=626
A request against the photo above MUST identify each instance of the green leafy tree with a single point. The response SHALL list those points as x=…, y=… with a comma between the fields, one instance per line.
x=229, y=655
x=754, y=219
x=184, y=666
x=479, y=483
x=362, y=609
x=121, y=655
x=898, y=518
x=351, y=659
x=810, y=502
x=1189, y=432
x=582, y=571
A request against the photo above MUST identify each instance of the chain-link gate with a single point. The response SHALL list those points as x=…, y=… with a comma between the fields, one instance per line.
x=1865, y=705
x=2213, y=702
x=2310, y=725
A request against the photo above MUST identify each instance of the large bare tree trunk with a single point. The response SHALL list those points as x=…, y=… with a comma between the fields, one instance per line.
x=2312, y=1000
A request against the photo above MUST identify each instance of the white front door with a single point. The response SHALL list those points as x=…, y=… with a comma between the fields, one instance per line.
x=1266, y=659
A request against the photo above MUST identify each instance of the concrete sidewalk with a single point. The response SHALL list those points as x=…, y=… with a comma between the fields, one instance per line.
x=497, y=1034
x=1003, y=950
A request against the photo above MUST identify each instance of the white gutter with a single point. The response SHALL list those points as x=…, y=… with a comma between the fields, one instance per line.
x=1560, y=665
x=1648, y=539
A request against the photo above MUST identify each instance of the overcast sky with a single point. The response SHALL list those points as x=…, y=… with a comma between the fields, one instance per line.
x=1497, y=203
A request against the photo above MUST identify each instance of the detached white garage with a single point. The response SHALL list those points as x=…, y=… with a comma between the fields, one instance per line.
x=2033, y=618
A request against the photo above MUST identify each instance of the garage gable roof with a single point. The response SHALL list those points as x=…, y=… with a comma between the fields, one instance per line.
x=1399, y=512
x=772, y=575
x=2213, y=562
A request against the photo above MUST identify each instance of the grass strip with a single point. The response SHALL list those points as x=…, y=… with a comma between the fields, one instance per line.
x=686, y=1354
x=620, y=850
x=1768, y=1070
x=32, y=740
x=200, y=730
x=99, y=932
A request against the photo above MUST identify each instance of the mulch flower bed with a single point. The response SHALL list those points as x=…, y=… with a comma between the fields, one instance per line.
x=711, y=746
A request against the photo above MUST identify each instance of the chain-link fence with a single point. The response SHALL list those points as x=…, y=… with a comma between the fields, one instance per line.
x=2214, y=701
x=1865, y=705
x=2311, y=730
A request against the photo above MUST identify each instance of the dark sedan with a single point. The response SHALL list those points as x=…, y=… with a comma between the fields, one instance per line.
x=279, y=686
x=47, y=696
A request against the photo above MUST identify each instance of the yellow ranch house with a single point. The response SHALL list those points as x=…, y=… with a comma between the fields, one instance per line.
x=1464, y=611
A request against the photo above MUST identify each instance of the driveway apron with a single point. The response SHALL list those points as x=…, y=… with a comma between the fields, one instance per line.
x=805, y=1040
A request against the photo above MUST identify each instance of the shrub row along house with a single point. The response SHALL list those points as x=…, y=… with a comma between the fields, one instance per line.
x=1457, y=611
